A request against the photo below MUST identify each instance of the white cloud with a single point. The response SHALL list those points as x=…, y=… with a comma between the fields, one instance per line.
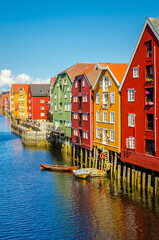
x=7, y=79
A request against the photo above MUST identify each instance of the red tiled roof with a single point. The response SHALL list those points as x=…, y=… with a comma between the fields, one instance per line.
x=77, y=69
x=17, y=87
x=118, y=69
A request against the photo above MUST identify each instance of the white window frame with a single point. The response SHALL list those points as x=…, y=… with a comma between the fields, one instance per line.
x=55, y=107
x=97, y=116
x=109, y=82
x=42, y=101
x=135, y=72
x=131, y=120
x=76, y=84
x=65, y=123
x=112, y=136
x=131, y=95
x=85, y=116
x=98, y=98
x=58, y=84
x=105, y=83
x=65, y=107
x=104, y=113
x=83, y=83
x=68, y=88
x=85, y=98
x=55, y=96
x=131, y=142
x=112, y=98
x=42, y=114
x=65, y=94
x=98, y=133
x=111, y=114
x=42, y=107
x=76, y=132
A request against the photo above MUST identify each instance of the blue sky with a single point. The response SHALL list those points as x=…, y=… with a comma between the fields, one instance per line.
x=41, y=38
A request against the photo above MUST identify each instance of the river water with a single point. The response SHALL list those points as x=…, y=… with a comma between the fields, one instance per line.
x=38, y=204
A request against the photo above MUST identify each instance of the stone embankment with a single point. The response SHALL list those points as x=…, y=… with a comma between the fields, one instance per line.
x=30, y=134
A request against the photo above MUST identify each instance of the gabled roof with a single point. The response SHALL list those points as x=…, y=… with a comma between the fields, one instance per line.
x=153, y=23
x=77, y=69
x=17, y=87
x=116, y=70
x=92, y=75
x=39, y=90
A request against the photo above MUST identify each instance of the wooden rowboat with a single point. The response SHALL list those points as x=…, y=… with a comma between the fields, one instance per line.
x=61, y=168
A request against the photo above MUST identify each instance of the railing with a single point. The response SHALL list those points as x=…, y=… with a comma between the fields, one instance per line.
x=149, y=78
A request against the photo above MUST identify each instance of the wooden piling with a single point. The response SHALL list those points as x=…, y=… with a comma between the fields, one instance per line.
x=119, y=172
x=149, y=183
x=90, y=159
x=124, y=173
x=115, y=164
x=136, y=172
x=133, y=177
x=143, y=180
x=139, y=179
x=156, y=184
x=77, y=155
x=81, y=156
x=94, y=157
x=74, y=155
x=86, y=157
x=111, y=165
x=128, y=176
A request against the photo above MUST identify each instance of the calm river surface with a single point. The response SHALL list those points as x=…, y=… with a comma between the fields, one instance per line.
x=38, y=204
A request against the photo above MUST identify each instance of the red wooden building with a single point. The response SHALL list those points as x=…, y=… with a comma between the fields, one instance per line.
x=140, y=101
x=38, y=101
x=82, y=108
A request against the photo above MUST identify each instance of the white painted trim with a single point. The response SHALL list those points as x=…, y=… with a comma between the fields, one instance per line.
x=136, y=47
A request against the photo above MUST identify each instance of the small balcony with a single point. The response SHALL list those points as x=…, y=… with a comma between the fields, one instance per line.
x=149, y=74
x=149, y=97
x=105, y=106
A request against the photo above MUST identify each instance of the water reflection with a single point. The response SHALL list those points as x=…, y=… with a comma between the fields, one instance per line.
x=52, y=205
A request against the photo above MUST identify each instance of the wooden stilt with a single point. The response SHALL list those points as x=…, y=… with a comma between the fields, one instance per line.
x=149, y=183
x=94, y=157
x=124, y=173
x=115, y=164
x=81, y=155
x=90, y=159
x=86, y=157
x=128, y=176
x=119, y=172
x=143, y=180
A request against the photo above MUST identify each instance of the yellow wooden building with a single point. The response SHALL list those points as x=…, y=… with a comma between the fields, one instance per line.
x=17, y=106
x=107, y=107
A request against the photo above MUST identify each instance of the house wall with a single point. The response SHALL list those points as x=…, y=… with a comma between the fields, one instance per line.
x=87, y=107
x=138, y=107
x=116, y=126
x=60, y=114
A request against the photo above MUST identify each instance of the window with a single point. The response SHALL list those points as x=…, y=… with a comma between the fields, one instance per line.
x=83, y=83
x=149, y=73
x=105, y=83
x=112, y=135
x=75, y=132
x=70, y=95
x=85, y=116
x=98, y=133
x=110, y=82
x=42, y=114
x=65, y=123
x=42, y=108
x=84, y=98
x=68, y=88
x=150, y=147
x=75, y=115
x=97, y=115
x=55, y=107
x=85, y=134
x=100, y=84
x=149, y=121
x=58, y=84
x=55, y=96
x=105, y=100
x=112, y=117
x=131, y=120
x=65, y=95
x=68, y=124
x=68, y=107
x=135, y=72
x=76, y=84
x=97, y=98
x=130, y=95
x=149, y=97
x=74, y=98
x=112, y=98
x=149, y=49
x=41, y=100
x=65, y=82
x=65, y=107
x=131, y=142
x=104, y=116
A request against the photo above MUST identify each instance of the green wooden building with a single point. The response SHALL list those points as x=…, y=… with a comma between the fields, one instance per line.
x=62, y=97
